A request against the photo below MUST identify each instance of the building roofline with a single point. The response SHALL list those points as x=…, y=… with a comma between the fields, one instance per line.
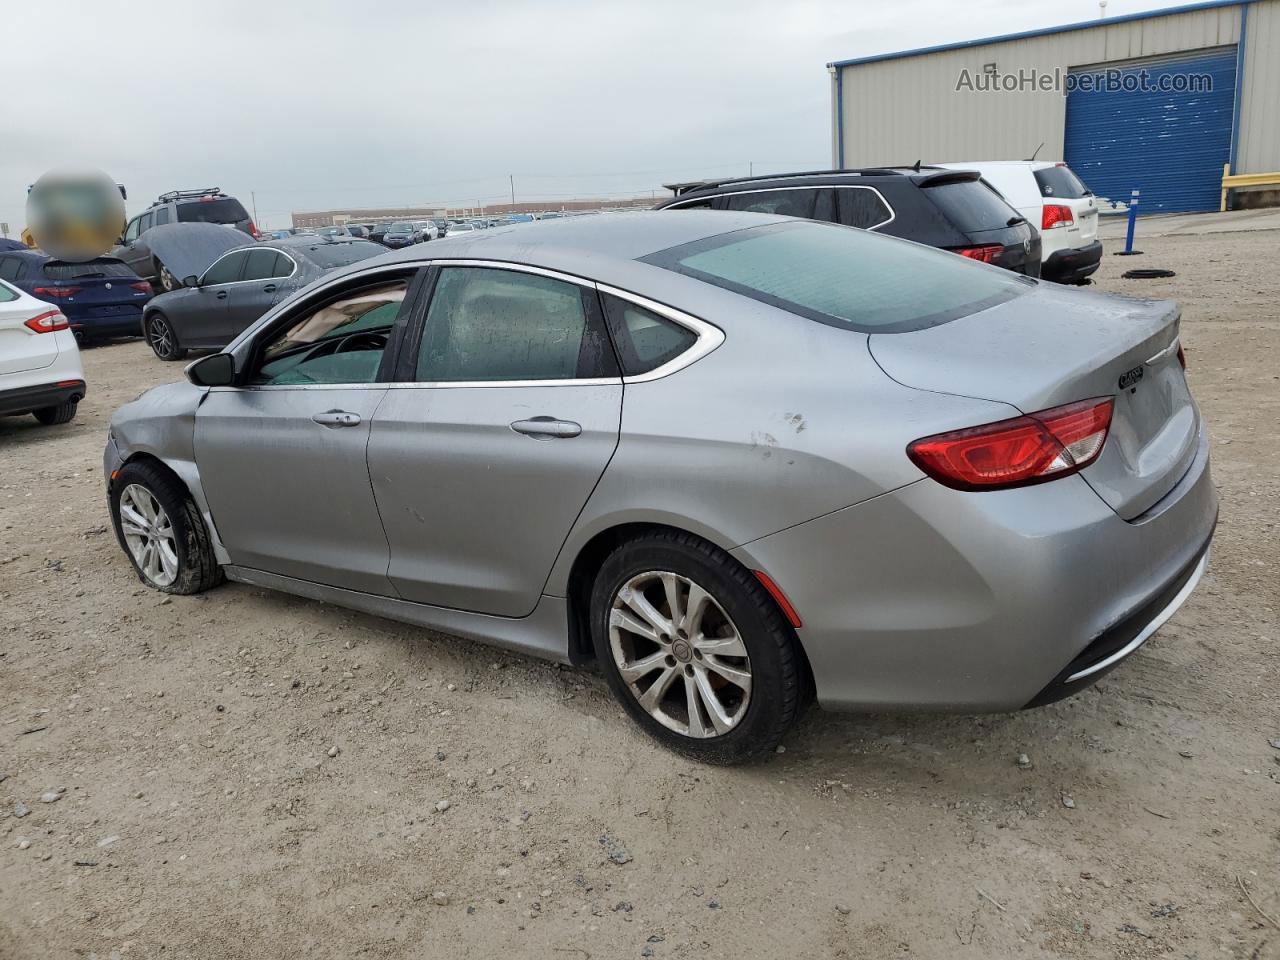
x=1042, y=32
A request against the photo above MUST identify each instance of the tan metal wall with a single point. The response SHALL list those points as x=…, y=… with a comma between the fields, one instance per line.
x=903, y=110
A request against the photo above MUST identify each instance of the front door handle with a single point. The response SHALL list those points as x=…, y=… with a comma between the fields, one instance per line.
x=337, y=418
x=547, y=428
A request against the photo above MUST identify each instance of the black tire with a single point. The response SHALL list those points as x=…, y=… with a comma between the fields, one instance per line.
x=776, y=663
x=198, y=570
x=162, y=339
x=62, y=413
x=165, y=280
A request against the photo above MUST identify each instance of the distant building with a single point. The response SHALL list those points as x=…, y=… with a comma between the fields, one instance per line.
x=1160, y=101
x=327, y=218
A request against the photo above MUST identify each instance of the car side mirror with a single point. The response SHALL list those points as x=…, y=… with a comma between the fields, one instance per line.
x=218, y=370
x=191, y=281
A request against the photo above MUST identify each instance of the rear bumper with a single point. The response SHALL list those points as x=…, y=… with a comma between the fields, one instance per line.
x=119, y=324
x=928, y=598
x=1070, y=266
x=39, y=396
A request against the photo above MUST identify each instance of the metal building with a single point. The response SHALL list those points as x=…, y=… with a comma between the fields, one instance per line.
x=1161, y=101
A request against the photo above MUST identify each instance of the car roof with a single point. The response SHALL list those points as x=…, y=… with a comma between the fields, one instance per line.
x=918, y=174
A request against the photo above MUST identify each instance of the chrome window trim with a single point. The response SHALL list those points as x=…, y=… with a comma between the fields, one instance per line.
x=709, y=336
x=246, y=251
x=893, y=214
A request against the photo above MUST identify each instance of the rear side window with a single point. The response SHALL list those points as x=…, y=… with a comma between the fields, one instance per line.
x=489, y=324
x=265, y=264
x=844, y=278
x=10, y=267
x=57, y=270
x=162, y=216
x=226, y=210
x=860, y=207
x=645, y=341
x=1060, y=182
x=971, y=205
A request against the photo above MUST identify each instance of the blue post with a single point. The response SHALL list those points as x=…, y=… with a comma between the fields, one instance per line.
x=1133, y=221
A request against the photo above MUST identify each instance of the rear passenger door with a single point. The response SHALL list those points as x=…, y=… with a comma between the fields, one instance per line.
x=503, y=420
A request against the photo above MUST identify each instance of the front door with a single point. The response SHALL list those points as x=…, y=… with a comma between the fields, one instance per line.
x=483, y=458
x=254, y=294
x=282, y=458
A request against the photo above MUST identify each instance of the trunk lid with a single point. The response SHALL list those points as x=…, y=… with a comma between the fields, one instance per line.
x=1055, y=346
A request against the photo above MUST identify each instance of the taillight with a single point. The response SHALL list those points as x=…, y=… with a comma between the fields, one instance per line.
x=57, y=292
x=142, y=286
x=253, y=231
x=985, y=254
x=47, y=322
x=1018, y=452
x=1056, y=215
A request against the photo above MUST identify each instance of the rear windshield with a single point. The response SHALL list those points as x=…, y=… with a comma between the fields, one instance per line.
x=971, y=205
x=843, y=276
x=102, y=267
x=329, y=255
x=1060, y=182
x=226, y=210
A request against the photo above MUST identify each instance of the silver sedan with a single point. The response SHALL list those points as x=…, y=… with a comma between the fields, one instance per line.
x=736, y=460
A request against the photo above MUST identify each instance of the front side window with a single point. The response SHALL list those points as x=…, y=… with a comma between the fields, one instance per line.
x=645, y=341
x=131, y=231
x=339, y=342
x=144, y=223
x=487, y=324
x=226, y=270
x=844, y=278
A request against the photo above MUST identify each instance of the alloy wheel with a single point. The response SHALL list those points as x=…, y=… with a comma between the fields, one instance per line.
x=149, y=534
x=160, y=337
x=680, y=654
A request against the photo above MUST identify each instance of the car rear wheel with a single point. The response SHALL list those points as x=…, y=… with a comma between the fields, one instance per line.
x=161, y=337
x=695, y=649
x=165, y=278
x=161, y=531
x=62, y=413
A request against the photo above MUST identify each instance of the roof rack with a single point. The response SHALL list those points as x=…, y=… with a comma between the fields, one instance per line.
x=682, y=188
x=188, y=194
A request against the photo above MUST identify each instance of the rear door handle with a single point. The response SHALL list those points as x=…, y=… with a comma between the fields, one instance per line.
x=269, y=288
x=337, y=418
x=222, y=294
x=547, y=428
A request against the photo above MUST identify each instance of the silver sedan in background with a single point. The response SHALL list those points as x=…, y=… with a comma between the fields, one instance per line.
x=734, y=459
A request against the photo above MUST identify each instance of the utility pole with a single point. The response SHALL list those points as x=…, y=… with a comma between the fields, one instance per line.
x=512, y=178
x=253, y=200
x=751, y=168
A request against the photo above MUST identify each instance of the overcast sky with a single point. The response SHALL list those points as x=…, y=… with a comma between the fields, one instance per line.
x=321, y=104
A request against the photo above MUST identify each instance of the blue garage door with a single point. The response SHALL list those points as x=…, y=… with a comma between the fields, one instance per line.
x=1167, y=134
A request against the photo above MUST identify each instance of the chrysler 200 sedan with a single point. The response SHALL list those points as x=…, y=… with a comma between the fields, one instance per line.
x=734, y=459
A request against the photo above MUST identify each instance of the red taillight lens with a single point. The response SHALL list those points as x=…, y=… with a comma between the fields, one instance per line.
x=1055, y=215
x=142, y=286
x=56, y=292
x=47, y=322
x=1014, y=453
x=985, y=254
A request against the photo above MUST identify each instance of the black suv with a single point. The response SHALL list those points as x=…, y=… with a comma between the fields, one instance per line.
x=951, y=209
x=208, y=205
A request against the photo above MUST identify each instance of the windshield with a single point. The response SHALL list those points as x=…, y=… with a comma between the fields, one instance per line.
x=226, y=210
x=971, y=205
x=843, y=276
x=1060, y=182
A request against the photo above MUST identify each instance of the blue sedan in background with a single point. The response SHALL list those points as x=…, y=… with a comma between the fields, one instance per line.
x=100, y=298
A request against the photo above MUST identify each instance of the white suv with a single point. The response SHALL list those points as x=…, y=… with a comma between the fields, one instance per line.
x=40, y=370
x=1057, y=204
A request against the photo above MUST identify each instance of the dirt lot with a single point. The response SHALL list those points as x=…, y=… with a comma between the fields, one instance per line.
x=203, y=816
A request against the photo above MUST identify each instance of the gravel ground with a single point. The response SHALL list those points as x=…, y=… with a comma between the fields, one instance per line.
x=244, y=774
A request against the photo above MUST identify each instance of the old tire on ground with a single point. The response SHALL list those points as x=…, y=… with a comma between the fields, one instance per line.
x=161, y=530
x=719, y=682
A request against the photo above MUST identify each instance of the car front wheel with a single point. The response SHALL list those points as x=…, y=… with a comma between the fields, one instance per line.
x=695, y=649
x=163, y=341
x=161, y=530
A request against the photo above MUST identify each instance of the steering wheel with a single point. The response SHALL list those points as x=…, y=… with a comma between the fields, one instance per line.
x=364, y=340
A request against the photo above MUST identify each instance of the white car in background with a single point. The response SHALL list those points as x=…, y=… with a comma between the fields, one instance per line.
x=40, y=370
x=1058, y=204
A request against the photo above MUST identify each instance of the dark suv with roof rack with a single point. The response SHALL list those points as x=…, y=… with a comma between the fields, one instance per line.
x=207, y=205
x=951, y=209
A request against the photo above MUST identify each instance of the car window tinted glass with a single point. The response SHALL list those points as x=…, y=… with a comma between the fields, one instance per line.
x=226, y=270
x=144, y=223
x=9, y=267
x=131, y=231
x=971, y=205
x=645, y=341
x=262, y=265
x=786, y=203
x=225, y=210
x=861, y=208
x=101, y=267
x=162, y=216
x=340, y=342
x=7, y=293
x=1060, y=182
x=490, y=324
x=843, y=277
